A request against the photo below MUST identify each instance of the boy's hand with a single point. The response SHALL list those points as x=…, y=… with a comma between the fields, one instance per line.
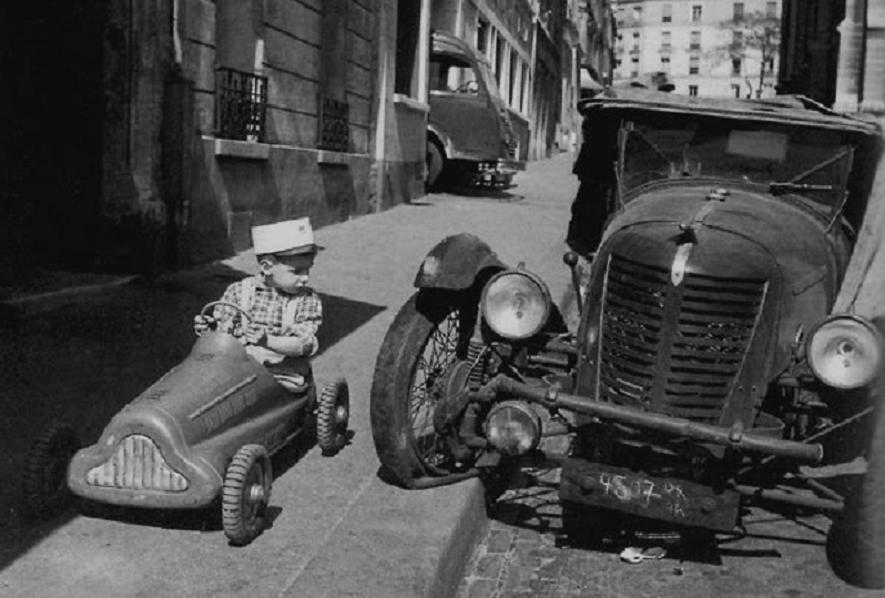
x=256, y=335
x=204, y=324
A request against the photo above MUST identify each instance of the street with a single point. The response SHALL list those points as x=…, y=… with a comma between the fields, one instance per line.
x=85, y=362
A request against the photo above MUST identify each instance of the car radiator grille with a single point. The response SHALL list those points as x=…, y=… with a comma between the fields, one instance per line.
x=674, y=349
x=137, y=464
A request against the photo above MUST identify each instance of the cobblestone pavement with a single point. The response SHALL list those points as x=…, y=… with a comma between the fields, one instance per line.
x=527, y=551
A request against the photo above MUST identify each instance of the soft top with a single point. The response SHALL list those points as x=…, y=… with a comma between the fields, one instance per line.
x=788, y=109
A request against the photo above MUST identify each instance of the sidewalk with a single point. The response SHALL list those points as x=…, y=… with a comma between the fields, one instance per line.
x=338, y=529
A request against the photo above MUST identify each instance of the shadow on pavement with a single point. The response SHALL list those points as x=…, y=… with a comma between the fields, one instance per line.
x=84, y=362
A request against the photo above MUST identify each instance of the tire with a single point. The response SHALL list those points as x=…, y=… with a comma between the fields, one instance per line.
x=44, y=485
x=435, y=163
x=856, y=540
x=429, y=334
x=333, y=413
x=246, y=493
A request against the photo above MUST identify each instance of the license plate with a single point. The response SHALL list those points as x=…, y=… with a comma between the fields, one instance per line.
x=668, y=499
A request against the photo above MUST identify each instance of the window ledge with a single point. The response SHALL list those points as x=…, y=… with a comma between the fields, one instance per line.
x=248, y=150
x=411, y=103
x=333, y=157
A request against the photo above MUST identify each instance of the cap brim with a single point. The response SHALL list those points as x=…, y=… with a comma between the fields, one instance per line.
x=302, y=250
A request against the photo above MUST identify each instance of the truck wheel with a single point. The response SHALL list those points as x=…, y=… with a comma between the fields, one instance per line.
x=435, y=163
x=428, y=336
x=246, y=494
x=333, y=413
x=856, y=541
x=45, y=486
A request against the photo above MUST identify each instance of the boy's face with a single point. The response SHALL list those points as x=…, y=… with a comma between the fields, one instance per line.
x=288, y=272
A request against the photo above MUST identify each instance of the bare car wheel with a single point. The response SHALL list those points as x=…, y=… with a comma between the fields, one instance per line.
x=426, y=340
x=333, y=414
x=246, y=494
x=45, y=485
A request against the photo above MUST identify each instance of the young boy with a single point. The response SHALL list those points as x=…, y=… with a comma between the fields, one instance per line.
x=284, y=313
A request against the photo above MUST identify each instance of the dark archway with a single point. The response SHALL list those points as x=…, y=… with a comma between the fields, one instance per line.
x=50, y=133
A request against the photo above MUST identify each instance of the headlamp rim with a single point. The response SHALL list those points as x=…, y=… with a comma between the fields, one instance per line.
x=864, y=323
x=534, y=278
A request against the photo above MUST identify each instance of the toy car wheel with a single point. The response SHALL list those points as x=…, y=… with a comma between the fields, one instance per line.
x=333, y=414
x=45, y=485
x=246, y=494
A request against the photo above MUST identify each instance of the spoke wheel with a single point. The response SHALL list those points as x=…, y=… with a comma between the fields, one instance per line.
x=45, y=485
x=333, y=414
x=424, y=344
x=246, y=494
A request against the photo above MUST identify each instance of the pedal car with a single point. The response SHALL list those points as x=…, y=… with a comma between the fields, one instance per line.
x=205, y=430
x=719, y=357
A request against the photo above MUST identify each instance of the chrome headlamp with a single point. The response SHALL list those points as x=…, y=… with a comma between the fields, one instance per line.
x=845, y=351
x=513, y=428
x=515, y=304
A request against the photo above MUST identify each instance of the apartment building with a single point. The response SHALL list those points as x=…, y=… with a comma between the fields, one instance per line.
x=712, y=48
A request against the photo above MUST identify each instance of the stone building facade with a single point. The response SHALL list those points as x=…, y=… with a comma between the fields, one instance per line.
x=703, y=45
x=160, y=131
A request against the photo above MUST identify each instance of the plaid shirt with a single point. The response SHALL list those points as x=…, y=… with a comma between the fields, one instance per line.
x=278, y=314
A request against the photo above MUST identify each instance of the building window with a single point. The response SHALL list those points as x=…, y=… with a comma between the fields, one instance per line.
x=736, y=67
x=512, y=88
x=696, y=11
x=694, y=65
x=667, y=13
x=771, y=9
x=665, y=40
x=240, y=105
x=636, y=41
x=738, y=11
x=482, y=36
x=665, y=64
x=407, y=65
x=637, y=14
x=736, y=90
x=695, y=41
x=634, y=67
x=692, y=90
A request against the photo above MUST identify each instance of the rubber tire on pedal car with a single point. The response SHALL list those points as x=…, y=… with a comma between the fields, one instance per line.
x=395, y=368
x=333, y=413
x=246, y=494
x=45, y=489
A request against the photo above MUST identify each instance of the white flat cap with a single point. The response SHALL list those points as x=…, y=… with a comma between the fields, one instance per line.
x=289, y=237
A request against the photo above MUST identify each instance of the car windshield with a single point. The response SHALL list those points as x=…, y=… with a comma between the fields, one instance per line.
x=810, y=162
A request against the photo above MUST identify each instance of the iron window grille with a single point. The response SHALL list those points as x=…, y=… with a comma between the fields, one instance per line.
x=334, y=125
x=240, y=104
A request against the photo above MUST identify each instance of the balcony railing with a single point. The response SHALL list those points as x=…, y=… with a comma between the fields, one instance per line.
x=240, y=105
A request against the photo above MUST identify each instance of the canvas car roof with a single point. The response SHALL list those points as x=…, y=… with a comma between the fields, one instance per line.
x=797, y=110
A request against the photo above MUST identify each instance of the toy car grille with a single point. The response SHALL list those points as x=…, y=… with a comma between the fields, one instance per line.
x=137, y=464
x=674, y=349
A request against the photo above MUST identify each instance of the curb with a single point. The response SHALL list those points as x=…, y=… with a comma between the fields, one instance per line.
x=458, y=548
x=40, y=303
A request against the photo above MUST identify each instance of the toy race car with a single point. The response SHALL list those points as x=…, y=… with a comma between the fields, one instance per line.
x=205, y=429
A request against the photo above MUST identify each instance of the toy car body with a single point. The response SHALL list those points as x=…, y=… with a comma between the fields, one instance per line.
x=712, y=363
x=204, y=430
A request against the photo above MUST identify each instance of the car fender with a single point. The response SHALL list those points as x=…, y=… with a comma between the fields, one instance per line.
x=435, y=133
x=456, y=262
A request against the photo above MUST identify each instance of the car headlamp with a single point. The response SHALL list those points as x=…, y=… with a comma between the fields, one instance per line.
x=845, y=351
x=515, y=304
x=513, y=428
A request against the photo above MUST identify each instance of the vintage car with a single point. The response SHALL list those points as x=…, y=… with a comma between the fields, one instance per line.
x=204, y=431
x=470, y=137
x=711, y=364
